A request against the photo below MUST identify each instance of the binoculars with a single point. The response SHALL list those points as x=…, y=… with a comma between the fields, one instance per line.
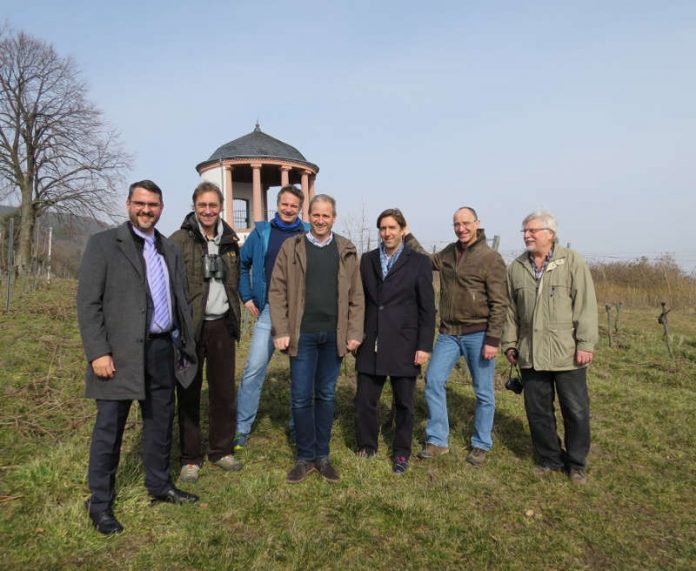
x=213, y=267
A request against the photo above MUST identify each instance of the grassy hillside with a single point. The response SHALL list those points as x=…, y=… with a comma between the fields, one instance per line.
x=637, y=511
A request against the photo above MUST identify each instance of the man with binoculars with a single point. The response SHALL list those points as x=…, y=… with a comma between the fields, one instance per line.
x=211, y=257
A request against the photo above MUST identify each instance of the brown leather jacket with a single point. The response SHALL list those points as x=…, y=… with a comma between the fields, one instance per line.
x=286, y=293
x=473, y=290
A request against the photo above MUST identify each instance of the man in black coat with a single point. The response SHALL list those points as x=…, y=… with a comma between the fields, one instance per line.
x=135, y=325
x=399, y=332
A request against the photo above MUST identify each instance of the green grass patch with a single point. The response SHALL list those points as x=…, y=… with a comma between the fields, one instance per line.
x=637, y=511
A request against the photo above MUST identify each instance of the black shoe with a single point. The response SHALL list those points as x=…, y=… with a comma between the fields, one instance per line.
x=366, y=453
x=105, y=522
x=300, y=471
x=175, y=496
x=327, y=470
x=399, y=465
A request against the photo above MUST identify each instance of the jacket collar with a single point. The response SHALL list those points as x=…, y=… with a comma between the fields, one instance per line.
x=190, y=224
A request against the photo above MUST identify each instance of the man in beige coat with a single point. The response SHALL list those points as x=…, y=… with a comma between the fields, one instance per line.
x=317, y=311
x=551, y=331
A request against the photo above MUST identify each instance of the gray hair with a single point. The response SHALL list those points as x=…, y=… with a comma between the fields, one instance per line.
x=322, y=198
x=547, y=219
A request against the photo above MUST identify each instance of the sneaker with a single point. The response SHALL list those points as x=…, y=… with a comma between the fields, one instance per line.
x=544, y=471
x=400, y=465
x=229, y=463
x=577, y=476
x=189, y=473
x=476, y=457
x=300, y=471
x=240, y=441
x=366, y=453
x=325, y=468
x=432, y=451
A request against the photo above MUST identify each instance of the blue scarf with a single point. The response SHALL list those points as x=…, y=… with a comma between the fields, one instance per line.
x=296, y=225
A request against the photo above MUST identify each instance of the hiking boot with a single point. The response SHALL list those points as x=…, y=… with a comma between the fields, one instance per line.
x=577, y=476
x=476, y=457
x=366, y=453
x=189, y=473
x=229, y=463
x=300, y=471
x=327, y=470
x=400, y=465
x=432, y=451
x=240, y=441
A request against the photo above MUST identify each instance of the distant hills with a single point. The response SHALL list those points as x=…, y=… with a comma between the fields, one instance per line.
x=70, y=235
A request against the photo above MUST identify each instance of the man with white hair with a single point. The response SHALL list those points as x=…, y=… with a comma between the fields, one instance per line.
x=551, y=331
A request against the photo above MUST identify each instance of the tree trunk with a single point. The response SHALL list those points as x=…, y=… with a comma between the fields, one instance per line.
x=27, y=221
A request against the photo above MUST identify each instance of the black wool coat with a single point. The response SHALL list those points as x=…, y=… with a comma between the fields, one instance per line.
x=399, y=314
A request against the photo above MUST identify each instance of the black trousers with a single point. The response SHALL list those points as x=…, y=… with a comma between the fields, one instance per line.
x=366, y=411
x=158, y=415
x=217, y=349
x=571, y=386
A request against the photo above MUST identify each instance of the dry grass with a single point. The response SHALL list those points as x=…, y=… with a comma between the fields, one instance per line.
x=644, y=283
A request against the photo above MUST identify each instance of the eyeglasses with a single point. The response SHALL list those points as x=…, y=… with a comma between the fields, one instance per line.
x=139, y=204
x=207, y=206
x=533, y=231
x=465, y=224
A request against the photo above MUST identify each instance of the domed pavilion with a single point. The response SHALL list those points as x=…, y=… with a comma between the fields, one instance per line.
x=247, y=167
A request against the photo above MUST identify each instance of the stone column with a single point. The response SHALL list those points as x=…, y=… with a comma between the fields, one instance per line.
x=229, y=197
x=312, y=179
x=256, y=193
x=284, y=176
x=305, y=191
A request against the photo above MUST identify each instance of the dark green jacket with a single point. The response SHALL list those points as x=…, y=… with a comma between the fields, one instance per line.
x=194, y=247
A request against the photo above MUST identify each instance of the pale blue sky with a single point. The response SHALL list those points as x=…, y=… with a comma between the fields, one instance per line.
x=585, y=108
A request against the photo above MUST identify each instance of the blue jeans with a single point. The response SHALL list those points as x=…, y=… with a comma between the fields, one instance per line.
x=260, y=353
x=314, y=371
x=446, y=353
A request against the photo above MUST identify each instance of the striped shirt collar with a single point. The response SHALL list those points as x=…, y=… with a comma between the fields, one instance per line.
x=316, y=242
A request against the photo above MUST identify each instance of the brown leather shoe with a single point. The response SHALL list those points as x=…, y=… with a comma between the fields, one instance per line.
x=300, y=471
x=327, y=470
x=432, y=451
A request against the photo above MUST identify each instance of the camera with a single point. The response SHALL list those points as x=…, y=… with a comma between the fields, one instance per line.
x=515, y=385
x=213, y=267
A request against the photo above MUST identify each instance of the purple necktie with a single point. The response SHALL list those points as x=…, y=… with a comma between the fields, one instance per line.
x=157, y=280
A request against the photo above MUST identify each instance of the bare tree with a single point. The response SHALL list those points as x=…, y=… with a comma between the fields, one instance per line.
x=56, y=152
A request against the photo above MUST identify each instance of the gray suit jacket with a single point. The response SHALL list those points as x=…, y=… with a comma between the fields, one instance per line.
x=114, y=309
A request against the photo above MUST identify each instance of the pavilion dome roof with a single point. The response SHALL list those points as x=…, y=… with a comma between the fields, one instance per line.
x=258, y=145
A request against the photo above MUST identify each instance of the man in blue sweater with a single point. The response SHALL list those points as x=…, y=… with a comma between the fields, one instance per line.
x=257, y=258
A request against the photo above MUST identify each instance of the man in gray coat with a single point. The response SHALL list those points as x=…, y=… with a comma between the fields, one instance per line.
x=135, y=325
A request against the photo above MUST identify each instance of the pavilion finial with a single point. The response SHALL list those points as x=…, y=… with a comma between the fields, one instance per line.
x=257, y=129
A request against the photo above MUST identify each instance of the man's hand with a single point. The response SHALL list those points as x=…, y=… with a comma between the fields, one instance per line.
x=281, y=343
x=421, y=358
x=489, y=352
x=103, y=367
x=583, y=357
x=352, y=345
x=511, y=356
x=251, y=308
